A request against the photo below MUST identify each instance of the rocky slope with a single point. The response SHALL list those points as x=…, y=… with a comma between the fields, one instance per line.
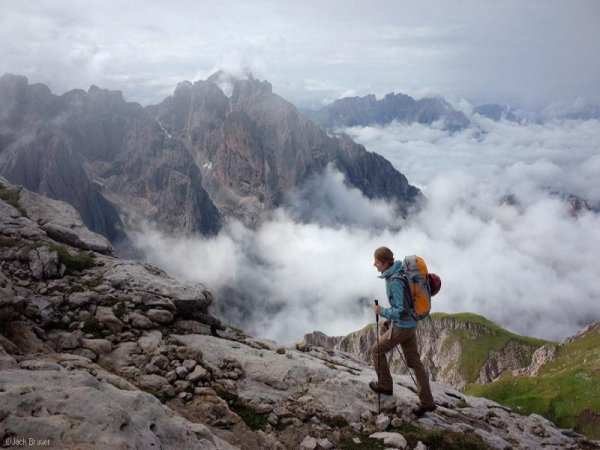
x=367, y=110
x=456, y=349
x=98, y=352
x=183, y=164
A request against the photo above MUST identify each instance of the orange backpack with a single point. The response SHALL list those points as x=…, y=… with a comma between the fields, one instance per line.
x=421, y=285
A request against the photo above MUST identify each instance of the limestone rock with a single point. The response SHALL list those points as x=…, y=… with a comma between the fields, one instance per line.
x=395, y=440
x=106, y=317
x=111, y=416
x=62, y=222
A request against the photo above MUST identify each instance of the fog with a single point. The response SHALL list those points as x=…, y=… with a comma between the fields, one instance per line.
x=526, y=53
x=497, y=227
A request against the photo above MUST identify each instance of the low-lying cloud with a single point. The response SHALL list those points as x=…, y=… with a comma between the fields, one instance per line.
x=497, y=227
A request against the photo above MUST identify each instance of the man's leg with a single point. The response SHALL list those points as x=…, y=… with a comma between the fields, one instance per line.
x=413, y=360
x=387, y=341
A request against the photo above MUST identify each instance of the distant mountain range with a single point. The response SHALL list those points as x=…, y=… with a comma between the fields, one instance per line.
x=186, y=163
x=367, y=110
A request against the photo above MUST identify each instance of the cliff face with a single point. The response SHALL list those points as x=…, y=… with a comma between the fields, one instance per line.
x=367, y=110
x=183, y=164
x=455, y=349
x=99, y=352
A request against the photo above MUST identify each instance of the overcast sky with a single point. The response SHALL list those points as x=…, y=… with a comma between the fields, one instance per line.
x=522, y=53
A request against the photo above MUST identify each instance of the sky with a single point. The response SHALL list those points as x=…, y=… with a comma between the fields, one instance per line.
x=526, y=54
x=496, y=227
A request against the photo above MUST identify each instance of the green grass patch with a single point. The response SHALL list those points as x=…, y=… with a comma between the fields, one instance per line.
x=336, y=421
x=236, y=330
x=79, y=263
x=263, y=345
x=477, y=342
x=12, y=198
x=91, y=325
x=281, y=351
x=566, y=391
x=120, y=310
x=8, y=242
x=440, y=439
x=254, y=420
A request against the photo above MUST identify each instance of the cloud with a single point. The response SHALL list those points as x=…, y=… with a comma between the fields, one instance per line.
x=507, y=52
x=496, y=227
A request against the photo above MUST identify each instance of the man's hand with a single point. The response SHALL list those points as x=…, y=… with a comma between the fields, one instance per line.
x=377, y=310
x=385, y=325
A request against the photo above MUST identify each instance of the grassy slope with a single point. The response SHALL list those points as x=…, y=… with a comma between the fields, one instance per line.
x=564, y=389
x=476, y=344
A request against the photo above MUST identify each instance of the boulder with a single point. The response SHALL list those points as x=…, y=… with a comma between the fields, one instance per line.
x=107, y=319
x=62, y=222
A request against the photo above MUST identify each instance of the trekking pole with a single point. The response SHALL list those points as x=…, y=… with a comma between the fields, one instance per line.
x=407, y=368
x=377, y=360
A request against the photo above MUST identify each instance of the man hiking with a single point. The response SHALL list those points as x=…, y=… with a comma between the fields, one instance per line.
x=399, y=328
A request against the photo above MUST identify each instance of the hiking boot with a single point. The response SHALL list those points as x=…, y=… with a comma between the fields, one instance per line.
x=375, y=386
x=422, y=409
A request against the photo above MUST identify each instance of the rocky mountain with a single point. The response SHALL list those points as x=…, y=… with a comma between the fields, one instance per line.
x=456, y=349
x=367, y=110
x=184, y=164
x=99, y=352
x=496, y=112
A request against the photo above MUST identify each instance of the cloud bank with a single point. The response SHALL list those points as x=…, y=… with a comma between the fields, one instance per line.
x=526, y=53
x=497, y=227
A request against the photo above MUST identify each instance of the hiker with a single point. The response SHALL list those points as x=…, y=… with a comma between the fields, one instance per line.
x=399, y=328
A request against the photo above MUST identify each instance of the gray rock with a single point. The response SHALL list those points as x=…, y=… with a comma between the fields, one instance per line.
x=382, y=422
x=199, y=374
x=22, y=336
x=150, y=341
x=161, y=361
x=181, y=386
x=86, y=353
x=44, y=263
x=83, y=407
x=30, y=364
x=171, y=376
x=395, y=440
x=140, y=321
x=98, y=346
x=160, y=316
x=62, y=222
x=151, y=382
x=181, y=372
x=189, y=364
x=309, y=443
x=325, y=444
x=82, y=299
x=107, y=319
x=63, y=340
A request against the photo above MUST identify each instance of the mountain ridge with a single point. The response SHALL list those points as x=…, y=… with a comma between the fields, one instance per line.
x=188, y=163
x=367, y=110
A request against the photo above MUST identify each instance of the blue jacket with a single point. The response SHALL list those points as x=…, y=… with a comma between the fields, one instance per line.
x=394, y=289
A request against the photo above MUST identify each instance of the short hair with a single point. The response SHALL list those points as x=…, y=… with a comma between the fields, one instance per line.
x=384, y=255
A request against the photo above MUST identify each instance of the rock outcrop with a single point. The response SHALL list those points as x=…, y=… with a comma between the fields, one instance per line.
x=105, y=353
x=367, y=110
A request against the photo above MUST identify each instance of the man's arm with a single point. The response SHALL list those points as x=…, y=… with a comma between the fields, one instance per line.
x=396, y=302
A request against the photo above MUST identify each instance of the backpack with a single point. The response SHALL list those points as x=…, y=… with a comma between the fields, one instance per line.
x=421, y=286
